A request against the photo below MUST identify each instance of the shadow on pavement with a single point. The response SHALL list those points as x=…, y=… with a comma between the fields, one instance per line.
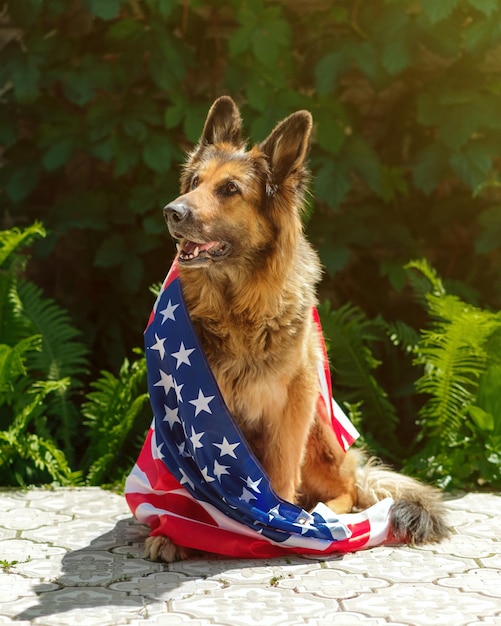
x=111, y=572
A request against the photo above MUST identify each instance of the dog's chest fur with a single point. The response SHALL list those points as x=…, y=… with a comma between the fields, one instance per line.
x=254, y=352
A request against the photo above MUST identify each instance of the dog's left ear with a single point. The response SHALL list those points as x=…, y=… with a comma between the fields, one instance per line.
x=287, y=145
x=223, y=123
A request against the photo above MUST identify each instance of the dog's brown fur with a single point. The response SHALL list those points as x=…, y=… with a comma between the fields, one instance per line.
x=250, y=295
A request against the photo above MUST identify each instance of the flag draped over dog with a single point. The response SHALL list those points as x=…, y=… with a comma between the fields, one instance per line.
x=197, y=481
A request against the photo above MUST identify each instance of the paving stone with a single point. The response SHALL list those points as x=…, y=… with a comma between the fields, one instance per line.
x=74, y=557
x=23, y=550
x=425, y=605
x=30, y=518
x=402, y=564
x=244, y=606
x=485, y=581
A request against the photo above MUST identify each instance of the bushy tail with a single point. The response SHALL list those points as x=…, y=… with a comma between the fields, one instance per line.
x=418, y=515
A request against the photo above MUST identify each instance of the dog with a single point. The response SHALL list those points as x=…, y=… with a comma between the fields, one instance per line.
x=249, y=280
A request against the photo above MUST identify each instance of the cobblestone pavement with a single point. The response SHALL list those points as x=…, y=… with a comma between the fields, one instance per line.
x=73, y=556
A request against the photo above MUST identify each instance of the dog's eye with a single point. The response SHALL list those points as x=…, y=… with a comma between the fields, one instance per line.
x=194, y=181
x=231, y=188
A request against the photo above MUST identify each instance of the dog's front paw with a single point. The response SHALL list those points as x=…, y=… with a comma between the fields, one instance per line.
x=161, y=548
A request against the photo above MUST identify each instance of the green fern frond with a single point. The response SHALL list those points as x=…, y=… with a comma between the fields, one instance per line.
x=424, y=280
x=13, y=326
x=39, y=453
x=349, y=335
x=18, y=445
x=454, y=358
x=12, y=364
x=453, y=354
x=61, y=355
x=155, y=289
x=14, y=239
x=111, y=411
x=40, y=361
x=399, y=333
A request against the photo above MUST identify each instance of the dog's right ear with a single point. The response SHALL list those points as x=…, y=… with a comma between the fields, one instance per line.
x=223, y=123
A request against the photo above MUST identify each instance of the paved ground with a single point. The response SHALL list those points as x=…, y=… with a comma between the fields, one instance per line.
x=74, y=557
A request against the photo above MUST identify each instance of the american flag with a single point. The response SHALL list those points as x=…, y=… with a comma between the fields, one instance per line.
x=197, y=481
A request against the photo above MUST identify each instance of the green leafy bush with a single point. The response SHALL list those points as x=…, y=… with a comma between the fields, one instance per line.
x=456, y=371
x=112, y=409
x=461, y=418
x=100, y=99
x=40, y=361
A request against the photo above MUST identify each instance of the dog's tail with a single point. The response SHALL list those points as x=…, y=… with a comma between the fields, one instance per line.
x=418, y=515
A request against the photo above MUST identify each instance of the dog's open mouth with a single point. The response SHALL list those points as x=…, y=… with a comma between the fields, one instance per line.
x=192, y=252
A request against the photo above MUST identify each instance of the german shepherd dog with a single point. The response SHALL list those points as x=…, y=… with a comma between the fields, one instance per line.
x=249, y=277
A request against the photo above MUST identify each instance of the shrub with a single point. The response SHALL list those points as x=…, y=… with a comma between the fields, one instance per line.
x=100, y=99
x=41, y=361
x=456, y=373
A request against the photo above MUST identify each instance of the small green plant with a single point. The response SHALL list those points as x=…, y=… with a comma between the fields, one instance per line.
x=111, y=411
x=351, y=339
x=454, y=401
x=40, y=360
x=461, y=380
x=7, y=565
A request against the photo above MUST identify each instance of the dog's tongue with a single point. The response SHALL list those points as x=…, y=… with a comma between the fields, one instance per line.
x=190, y=246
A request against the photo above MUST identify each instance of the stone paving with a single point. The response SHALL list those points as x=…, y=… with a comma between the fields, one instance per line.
x=74, y=556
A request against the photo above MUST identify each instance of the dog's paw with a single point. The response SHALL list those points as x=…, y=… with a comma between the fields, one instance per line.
x=161, y=548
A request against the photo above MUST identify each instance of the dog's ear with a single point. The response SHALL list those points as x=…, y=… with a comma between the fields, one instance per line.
x=287, y=145
x=223, y=123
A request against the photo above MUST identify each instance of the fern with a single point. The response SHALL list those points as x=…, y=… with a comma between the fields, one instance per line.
x=14, y=240
x=12, y=365
x=349, y=336
x=453, y=360
x=61, y=356
x=111, y=412
x=454, y=357
x=40, y=361
x=19, y=445
x=12, y=262
x=399, y=333
x=461, y=417
x=424, y=279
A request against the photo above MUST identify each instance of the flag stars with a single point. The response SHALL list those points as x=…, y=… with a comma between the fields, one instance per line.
x=182, y=451
x=201, y=403
x=220, y=470
x=247, y=496
x=171, y=416
x=205, y=475
x=159, y=345
x=226, y=447
x=182, y=355
x=177, y=389
x=253, y=484
x=168, y=312
x=165, y=381
x=195, y=439
x=275, y=512
x=185, y=479
x=158, y=452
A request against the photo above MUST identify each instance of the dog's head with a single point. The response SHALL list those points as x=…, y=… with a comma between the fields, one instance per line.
x=237, y=204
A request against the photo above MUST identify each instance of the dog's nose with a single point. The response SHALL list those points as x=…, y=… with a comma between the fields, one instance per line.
x=176, y=212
